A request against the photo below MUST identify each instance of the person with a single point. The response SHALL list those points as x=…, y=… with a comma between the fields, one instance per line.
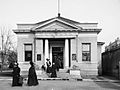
x=53, y=75
x=48, y=63
x=57, y=63
x=16, y=75
x=32, y=77
x=43, y=67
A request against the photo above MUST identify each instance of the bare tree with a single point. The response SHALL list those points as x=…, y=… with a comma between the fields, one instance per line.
x=8, y=41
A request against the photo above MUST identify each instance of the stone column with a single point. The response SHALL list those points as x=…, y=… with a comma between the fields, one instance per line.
x=46, y=50
x=66, y=53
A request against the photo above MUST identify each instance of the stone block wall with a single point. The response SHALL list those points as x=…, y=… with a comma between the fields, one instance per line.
x=110, y=62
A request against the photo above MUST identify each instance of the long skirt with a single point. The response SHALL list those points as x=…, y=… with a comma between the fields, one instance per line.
x=15, y=81
x=32, y=80
x=48, y=69
x=53, y=75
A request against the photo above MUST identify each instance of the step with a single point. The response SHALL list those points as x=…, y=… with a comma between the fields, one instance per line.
x=63, y=70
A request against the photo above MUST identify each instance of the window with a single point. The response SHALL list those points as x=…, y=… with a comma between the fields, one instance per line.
x=28, y=52
x=86, y=51
x=38, y=57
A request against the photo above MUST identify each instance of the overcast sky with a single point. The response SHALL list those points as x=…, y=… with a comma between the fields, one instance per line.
x=105, y=12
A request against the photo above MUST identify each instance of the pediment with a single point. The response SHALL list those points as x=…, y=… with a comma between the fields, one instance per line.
x=55, y=24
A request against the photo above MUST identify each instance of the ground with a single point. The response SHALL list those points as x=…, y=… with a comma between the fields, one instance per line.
x=97, y=83
x=63, y=85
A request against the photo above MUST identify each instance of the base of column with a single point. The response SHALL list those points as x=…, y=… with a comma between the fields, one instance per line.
x=66, y=67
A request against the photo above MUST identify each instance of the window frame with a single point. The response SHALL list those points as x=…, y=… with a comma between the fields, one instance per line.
x=28, y=51
x=88, y=52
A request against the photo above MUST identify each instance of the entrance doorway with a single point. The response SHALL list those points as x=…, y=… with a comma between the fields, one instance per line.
x=57, y=56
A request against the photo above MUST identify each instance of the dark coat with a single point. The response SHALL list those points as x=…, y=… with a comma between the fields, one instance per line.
x=32, y=77
x=53, y=75
x=57, y=64
x=16, y=75
x=48, y=63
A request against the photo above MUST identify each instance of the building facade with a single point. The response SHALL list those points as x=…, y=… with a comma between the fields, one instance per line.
x=59, y=38
x=111, y=59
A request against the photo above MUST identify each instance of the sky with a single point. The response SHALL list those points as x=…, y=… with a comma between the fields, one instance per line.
x=105, y=12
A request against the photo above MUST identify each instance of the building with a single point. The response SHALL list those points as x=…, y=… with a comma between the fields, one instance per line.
x=59, y=38
x=111, y=59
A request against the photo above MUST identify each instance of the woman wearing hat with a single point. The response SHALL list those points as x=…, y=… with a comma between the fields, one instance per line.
x=16, y=75
x=32, y=77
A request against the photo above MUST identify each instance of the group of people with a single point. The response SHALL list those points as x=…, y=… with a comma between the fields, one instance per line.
x=32, y=77
x=52, y=69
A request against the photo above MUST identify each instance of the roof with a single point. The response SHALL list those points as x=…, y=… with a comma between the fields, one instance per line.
x=73, y=26
x=61, y=18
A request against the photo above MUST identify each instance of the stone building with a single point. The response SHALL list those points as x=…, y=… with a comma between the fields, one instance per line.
x=111, y=59
x=59, y=38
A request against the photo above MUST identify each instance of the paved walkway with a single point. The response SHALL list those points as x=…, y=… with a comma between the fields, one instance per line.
x=64, y=81
x=62, y=85
x=64, y=76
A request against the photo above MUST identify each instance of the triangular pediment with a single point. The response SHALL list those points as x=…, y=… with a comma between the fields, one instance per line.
x=55, y=24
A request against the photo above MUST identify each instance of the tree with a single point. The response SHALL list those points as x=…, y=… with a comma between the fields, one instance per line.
x=8, y=47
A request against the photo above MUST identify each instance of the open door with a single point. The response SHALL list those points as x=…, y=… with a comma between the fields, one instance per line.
x=57, y=56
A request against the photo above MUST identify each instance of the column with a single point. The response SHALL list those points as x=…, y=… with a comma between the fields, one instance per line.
x=34, y=49
x=46, y=50
x=66, y=53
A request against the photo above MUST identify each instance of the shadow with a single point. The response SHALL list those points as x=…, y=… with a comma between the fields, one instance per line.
x=6, y=73
x=10, y=84
x=107, y=85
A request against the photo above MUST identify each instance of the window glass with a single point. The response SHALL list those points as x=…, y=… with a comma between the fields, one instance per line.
x=28, y=52
x=86, y=51
x=38, y=57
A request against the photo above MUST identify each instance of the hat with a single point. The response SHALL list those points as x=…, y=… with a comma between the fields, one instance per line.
x=47, y=59
x=31, y=63
x=16, y=64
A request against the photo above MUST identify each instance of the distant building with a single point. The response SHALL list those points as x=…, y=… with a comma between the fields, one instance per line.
x=59, y=38
x=111, y=59
x=113, y=45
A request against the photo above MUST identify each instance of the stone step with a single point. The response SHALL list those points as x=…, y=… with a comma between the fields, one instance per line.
x=25, y=72
x=63, y=70
x=60, y=75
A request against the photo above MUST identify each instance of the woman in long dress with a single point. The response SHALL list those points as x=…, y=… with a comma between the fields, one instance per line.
x=16, y=75
x=32, y=77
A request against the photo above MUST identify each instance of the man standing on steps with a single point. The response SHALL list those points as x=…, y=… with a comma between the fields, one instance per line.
x=48, y=63
x=53, y=71
x=57, y=63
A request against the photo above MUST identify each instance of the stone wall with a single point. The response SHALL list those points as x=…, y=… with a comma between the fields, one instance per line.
x=110, y=62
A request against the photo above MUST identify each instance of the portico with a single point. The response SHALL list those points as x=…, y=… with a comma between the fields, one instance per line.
x=51, y=44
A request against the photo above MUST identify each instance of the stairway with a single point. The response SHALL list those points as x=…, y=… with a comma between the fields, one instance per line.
x=60, y=76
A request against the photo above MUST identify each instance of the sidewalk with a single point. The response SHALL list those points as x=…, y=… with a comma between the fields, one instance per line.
x=63, y=76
